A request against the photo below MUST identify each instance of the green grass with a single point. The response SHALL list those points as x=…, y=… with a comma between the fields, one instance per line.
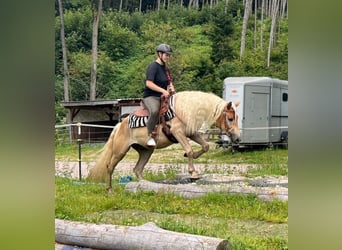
x=244, y=220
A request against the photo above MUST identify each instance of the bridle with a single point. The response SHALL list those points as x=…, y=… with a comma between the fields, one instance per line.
x=229, y=122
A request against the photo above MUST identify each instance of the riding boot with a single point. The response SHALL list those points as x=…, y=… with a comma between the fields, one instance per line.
x=151, y=142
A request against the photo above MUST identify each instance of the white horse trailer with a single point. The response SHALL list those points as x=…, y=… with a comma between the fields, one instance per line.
x=263, y=109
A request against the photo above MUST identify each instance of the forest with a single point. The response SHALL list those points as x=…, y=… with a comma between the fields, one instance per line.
x=103, y=47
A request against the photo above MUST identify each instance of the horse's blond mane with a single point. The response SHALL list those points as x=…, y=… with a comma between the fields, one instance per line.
x=198, y=109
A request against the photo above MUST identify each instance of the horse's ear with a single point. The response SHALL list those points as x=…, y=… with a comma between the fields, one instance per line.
x=237, y=103
x=229, y=105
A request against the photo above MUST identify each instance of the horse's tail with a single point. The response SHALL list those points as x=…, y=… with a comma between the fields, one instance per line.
x=100, y=171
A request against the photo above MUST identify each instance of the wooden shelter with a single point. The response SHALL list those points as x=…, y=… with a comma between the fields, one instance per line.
x=94, y=114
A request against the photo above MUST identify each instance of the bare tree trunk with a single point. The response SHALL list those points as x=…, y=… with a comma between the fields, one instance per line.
x=255, y=22
x=120, y=7
x=275, y=8
x=140, y=4
x=226, y=7
x=190, y=3
x=267, y=7
x=248, y=7
x=64, y=51
x=283, y=6
x=65, y=63
x=262, y=24
x=96, y=19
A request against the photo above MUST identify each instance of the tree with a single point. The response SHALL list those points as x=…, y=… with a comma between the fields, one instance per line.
x=64, y=50
x=262, y=24
x=275, y=7
x=248, y=8
x=65, y=61
x=96, y=19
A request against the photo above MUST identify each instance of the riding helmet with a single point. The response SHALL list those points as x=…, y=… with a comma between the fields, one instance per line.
x=165, y=48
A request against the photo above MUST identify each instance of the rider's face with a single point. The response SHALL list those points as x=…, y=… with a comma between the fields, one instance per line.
x=165, y=57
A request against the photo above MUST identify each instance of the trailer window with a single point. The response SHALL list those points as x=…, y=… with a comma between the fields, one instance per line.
x=285, y=97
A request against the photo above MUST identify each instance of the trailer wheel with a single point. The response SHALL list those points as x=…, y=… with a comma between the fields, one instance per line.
x=284, y=140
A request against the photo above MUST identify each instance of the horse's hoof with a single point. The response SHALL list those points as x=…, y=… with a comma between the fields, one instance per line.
x=195, y=176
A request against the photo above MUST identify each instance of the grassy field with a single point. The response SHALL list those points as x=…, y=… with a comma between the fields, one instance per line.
x=247, y=222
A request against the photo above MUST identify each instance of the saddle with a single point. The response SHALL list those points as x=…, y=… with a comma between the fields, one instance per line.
x=138, y=118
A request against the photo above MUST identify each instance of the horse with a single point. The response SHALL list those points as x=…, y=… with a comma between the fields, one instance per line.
x=192, y=110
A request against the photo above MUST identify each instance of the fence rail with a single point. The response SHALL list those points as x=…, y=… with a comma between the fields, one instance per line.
x=93, y=133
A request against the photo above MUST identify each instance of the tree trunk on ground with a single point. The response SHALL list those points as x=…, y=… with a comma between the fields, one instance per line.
x=183, y=190
x=194, y=191
x=147, y=236
x=96, y=20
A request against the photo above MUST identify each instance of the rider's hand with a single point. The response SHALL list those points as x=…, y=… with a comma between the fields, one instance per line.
x=166, y=93
x=171, y=89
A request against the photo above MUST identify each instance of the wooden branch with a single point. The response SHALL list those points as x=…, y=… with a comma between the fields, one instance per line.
x=147, y=236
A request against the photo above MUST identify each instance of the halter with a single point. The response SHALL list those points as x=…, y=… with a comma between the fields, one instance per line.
x=228, y=122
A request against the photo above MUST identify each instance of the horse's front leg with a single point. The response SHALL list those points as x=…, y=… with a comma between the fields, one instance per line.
x=183, y=140
x=205, y=145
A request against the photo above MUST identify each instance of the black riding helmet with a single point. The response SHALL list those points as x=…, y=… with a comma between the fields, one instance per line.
x=164, y=48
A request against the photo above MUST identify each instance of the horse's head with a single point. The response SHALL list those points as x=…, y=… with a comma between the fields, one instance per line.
x=228, y=121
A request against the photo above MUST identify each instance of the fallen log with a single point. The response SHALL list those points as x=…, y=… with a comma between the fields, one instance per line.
x=193, y=191
x=184, y=190
x=147, y=236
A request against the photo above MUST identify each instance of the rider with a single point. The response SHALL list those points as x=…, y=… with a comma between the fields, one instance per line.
x=158, y=82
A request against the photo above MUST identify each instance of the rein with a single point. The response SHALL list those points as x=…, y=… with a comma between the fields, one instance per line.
x=164, y=106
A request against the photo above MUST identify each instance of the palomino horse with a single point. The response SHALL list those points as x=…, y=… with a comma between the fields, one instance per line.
x=192, y=110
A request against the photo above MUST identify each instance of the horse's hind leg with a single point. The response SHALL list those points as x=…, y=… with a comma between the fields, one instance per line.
x=118, y=155
x=144, y=156
x=110, y=169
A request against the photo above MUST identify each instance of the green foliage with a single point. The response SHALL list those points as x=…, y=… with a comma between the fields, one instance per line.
x=60, y=113
x=220, y=32
x=206, y=44
x=118, y=42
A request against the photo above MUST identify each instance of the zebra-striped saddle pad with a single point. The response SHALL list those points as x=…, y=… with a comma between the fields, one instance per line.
x=137, y=121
